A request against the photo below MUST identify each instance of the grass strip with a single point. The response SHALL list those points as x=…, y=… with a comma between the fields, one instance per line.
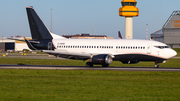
x=172, y=63
x=88, y=85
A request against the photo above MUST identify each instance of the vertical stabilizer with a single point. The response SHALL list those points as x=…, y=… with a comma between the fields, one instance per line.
x=38, y=29
x=119, y=35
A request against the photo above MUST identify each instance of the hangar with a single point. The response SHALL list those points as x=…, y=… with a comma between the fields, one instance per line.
x=7, y=44
x=170, y=32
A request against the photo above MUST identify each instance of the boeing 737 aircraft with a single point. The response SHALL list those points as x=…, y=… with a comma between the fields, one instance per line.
x=96, y=51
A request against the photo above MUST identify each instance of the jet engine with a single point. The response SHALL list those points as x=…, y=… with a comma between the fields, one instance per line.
x=103, y=59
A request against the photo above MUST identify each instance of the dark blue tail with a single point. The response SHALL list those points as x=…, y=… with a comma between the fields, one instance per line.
x=37, y=27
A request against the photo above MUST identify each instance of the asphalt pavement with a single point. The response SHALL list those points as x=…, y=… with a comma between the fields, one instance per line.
x=86, y=68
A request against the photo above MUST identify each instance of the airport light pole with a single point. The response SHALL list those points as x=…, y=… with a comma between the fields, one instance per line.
x=51, y=19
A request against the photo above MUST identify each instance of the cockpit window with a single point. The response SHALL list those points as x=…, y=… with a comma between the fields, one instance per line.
x=161, y=47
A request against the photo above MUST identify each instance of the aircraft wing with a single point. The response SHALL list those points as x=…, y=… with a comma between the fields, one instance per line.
x=69, y=55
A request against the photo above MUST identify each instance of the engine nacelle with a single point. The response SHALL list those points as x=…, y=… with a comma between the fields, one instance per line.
x=102, y=59
x=130, y=62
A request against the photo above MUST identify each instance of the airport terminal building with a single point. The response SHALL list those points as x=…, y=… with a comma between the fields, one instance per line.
x=170, y=32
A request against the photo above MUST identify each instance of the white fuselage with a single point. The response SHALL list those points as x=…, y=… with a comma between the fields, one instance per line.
x=113, y=47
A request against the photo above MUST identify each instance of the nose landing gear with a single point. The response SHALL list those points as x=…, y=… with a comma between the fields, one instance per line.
x=156, y=65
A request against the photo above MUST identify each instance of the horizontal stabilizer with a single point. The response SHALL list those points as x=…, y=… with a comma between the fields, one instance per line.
x=16, y=39
x=31, y=41
x=29, y=44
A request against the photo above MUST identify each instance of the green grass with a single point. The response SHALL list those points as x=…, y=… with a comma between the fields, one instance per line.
x=173, y=63
x=88, y=85
x=178, y=51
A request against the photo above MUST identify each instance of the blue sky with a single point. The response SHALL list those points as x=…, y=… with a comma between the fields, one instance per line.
x=81, y=16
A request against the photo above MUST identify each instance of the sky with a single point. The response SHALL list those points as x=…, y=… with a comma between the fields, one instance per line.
x=84, y=16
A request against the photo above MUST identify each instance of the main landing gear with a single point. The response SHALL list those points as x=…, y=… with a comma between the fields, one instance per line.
x=156, y=65
x=90, y=64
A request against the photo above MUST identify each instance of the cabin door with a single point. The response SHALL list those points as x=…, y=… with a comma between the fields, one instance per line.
x=149, y=47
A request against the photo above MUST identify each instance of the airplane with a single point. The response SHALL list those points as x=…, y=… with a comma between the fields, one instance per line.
x=119, y=35
x=96, y=51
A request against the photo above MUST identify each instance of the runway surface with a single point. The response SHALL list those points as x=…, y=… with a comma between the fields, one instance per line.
x=86, y=68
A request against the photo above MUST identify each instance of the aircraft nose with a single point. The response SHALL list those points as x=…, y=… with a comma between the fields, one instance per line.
x=173, y=53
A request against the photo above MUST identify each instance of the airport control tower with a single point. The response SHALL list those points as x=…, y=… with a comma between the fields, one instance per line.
x=129, y=10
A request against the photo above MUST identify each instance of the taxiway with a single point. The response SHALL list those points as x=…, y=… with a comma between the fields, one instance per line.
x=86, y=68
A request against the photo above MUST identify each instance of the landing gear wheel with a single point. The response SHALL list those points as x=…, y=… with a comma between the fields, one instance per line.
x=105, y=65
x=156, y=65
x=89, y=64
